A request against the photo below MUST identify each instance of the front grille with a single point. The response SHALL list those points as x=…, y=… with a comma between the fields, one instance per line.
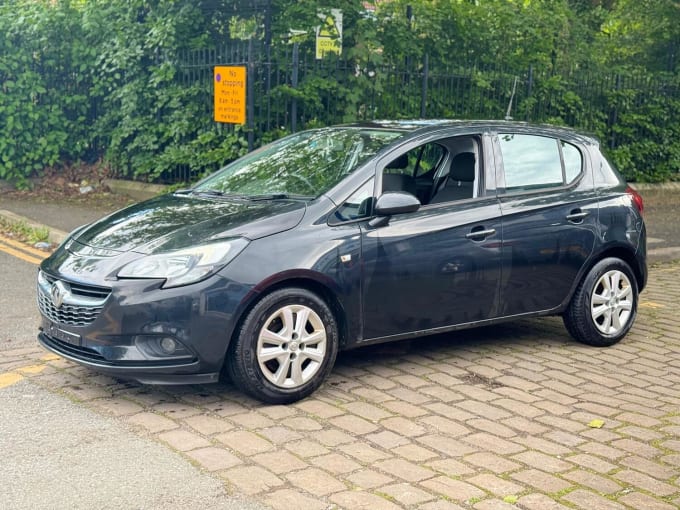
x=78, y=289
x=80, y=308
x=67, y=314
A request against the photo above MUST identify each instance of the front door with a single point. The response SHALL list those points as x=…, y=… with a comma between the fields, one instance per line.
x=439, y=266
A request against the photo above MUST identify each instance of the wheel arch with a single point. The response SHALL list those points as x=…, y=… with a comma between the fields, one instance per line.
x=628, y=256
x=306, y=280
x=621, y=252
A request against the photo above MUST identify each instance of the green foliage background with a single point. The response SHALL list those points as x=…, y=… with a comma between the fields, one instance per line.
x=83, y=80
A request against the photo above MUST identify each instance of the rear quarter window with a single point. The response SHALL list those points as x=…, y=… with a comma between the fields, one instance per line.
x=573, y=161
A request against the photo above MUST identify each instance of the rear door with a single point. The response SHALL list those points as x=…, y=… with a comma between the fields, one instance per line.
x=549, y=213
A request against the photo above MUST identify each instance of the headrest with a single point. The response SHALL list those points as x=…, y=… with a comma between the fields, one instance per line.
x=463, y=167
x=400, y=162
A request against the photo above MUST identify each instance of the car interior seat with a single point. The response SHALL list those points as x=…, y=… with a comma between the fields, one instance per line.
x=398, y=181
x=459, y=184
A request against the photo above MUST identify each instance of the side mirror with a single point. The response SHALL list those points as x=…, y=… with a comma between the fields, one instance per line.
x=393, y=202
x=396, y=202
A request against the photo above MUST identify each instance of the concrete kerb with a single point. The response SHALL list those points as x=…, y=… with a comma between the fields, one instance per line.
x=136, y=190
x=55, y=236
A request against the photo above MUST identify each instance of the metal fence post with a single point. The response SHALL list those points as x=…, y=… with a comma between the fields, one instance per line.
x=530, y=86
x=423, y=95
x=294, y=84
x=250, y=97
x=614, y=115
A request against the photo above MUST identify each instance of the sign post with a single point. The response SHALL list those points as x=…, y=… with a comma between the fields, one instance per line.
x=230, y=94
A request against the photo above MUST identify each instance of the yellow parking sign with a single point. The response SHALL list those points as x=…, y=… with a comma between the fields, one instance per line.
x=230, y=94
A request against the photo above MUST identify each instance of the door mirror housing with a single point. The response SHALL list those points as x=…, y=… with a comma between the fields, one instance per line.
x=396, y=202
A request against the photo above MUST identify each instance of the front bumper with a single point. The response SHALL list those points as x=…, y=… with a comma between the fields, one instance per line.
x=122, y=336
x=161, y=374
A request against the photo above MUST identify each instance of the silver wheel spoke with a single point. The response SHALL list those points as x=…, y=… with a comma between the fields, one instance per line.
x=282, y=372
x=288, y=322
x=301, y=322
x=625, y=305
x=598, y=311
x=271, y=353
x=625, y=292
x=606, y=283
x=314, y=338
x=599, y=299
x=616, y=321
x=313, y=355
x=296, y=372
x=607, y=324
x=272, y=338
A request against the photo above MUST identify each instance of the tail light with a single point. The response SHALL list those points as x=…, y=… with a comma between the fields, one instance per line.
x=637, y=199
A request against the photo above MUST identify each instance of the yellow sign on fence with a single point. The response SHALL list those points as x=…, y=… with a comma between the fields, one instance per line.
x=230, y=94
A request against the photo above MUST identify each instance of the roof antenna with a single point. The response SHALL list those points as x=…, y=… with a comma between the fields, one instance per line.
x=512, y=96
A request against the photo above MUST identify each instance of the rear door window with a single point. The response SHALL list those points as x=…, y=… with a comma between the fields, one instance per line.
x=536, y=162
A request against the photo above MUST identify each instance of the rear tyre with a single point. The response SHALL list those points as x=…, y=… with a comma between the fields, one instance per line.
x=285, y=348
x=604, y=307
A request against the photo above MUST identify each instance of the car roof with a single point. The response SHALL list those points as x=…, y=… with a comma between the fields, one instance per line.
x=424, y=126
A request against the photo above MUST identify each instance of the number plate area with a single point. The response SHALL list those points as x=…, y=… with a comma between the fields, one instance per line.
x=57, y=333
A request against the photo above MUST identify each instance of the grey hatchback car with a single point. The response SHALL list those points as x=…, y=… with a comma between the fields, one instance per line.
x=340, y=237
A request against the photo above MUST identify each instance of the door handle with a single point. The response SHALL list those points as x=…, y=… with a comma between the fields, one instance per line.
x=576, y=216
x=480, y=235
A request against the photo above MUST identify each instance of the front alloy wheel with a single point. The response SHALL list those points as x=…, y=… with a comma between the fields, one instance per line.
x=285, y=348
x=291, y=346
x=603, y=308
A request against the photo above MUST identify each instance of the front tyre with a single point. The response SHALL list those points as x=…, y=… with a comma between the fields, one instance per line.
x=604, y=306
x=285, y=348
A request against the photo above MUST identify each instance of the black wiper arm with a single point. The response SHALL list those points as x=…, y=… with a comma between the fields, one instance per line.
x=279, y=196
x=209, y=192
x=218, y=193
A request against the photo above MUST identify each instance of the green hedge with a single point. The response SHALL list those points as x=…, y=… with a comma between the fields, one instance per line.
x=103, y=79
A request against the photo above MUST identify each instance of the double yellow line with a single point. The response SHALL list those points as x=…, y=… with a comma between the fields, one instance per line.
x=21, y=251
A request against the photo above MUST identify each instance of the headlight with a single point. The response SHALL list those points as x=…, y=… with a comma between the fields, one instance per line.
x=186, y=266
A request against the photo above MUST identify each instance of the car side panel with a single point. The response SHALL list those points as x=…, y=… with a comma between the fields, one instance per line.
x=544, y=251
x=422, y=272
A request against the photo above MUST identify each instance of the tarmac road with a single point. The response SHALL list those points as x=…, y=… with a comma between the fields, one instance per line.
x=56, y=454
x=59, y=455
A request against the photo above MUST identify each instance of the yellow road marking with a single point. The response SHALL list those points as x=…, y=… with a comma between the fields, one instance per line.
x=32, y=369
x=24, y=247
x=20, y=255
x=9, y=379
x=650, y=304
x=50, y=357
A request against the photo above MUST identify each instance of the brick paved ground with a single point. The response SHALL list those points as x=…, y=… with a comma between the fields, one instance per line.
x=492, y=418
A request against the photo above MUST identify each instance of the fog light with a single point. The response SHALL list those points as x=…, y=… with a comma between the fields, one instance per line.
x=168, y=345
x=156, y=347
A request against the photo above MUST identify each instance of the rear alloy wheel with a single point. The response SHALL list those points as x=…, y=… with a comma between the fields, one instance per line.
x=286, y=347
x=604, y=306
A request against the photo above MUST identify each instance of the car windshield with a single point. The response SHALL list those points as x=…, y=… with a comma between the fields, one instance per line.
x=305, y=164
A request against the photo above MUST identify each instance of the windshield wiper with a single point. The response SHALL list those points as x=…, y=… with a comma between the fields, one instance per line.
x=217, y=193
x=279, y=196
